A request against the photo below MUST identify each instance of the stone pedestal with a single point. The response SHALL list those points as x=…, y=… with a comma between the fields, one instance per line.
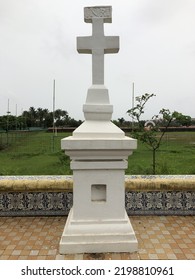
x=98, y=221
x=95, y=236
x=99, y=152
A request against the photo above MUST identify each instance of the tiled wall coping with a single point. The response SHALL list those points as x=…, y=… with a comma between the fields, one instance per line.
x=65, y=183
x=35, y=183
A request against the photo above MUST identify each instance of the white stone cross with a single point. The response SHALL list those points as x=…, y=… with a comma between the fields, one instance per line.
x=98, y=44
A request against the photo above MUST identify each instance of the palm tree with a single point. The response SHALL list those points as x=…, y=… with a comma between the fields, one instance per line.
x=33, y=116
x=41, y=114
x=61, y=117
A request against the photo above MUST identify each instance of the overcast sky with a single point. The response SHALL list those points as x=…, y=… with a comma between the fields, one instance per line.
x=38, y=44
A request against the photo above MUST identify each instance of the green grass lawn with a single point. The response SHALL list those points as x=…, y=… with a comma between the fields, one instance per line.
x=39, y=153
x=34, y=153
x=175, y=156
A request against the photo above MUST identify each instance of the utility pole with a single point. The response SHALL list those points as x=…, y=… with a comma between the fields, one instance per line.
x=16, y=115
x=133, y=89
x=54, y=99
x=8, y=112
x=53, y=106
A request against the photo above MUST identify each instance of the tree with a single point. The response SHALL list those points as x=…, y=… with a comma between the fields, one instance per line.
x=41, y=115
x=33, y=116
x=61, y=117
x=151, y=135
x=48, y=122
x=184, y=120
x=121, y=121
x=37, y=118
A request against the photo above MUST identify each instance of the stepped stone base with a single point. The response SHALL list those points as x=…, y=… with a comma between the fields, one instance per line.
x=98, y=236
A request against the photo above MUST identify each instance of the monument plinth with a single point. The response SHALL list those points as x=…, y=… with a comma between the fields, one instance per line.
x=99, y=152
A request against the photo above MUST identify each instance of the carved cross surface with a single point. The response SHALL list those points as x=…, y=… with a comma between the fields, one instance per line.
x=98, y=44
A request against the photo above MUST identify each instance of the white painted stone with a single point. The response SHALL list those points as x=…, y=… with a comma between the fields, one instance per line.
x=98, y=148
x=104, y=12
x=98, y=236
x=98, y=44
x=97, y=106
x=97, y=94
x=98, y=129
x=99, y=152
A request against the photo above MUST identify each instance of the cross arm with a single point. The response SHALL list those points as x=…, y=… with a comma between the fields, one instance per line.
x=84, y=45
x=112, y=44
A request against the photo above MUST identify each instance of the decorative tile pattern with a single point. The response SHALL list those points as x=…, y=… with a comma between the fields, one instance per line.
x=160, y=203
x=59, y=203
x=35, y=203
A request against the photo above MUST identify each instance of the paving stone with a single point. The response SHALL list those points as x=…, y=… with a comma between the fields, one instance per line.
x=31, y=243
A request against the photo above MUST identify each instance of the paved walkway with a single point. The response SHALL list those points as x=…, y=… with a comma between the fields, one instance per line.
x=29, y=238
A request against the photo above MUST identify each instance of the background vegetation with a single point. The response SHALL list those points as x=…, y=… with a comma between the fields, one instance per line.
x=34, y=118
x=27, y=149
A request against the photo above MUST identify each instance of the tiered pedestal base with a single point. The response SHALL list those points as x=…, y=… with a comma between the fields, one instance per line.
x=93, y=236
x=98, y=221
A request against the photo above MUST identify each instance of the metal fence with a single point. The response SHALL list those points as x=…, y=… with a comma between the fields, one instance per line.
x=27, y=142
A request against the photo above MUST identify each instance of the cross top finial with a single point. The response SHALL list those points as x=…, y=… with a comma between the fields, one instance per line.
x=98, y=44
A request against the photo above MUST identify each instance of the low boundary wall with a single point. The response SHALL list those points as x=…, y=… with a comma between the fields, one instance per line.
x=53, y=195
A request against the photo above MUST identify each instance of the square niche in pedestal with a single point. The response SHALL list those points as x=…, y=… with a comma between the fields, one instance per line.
x=98, y=193
x=101, y=192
